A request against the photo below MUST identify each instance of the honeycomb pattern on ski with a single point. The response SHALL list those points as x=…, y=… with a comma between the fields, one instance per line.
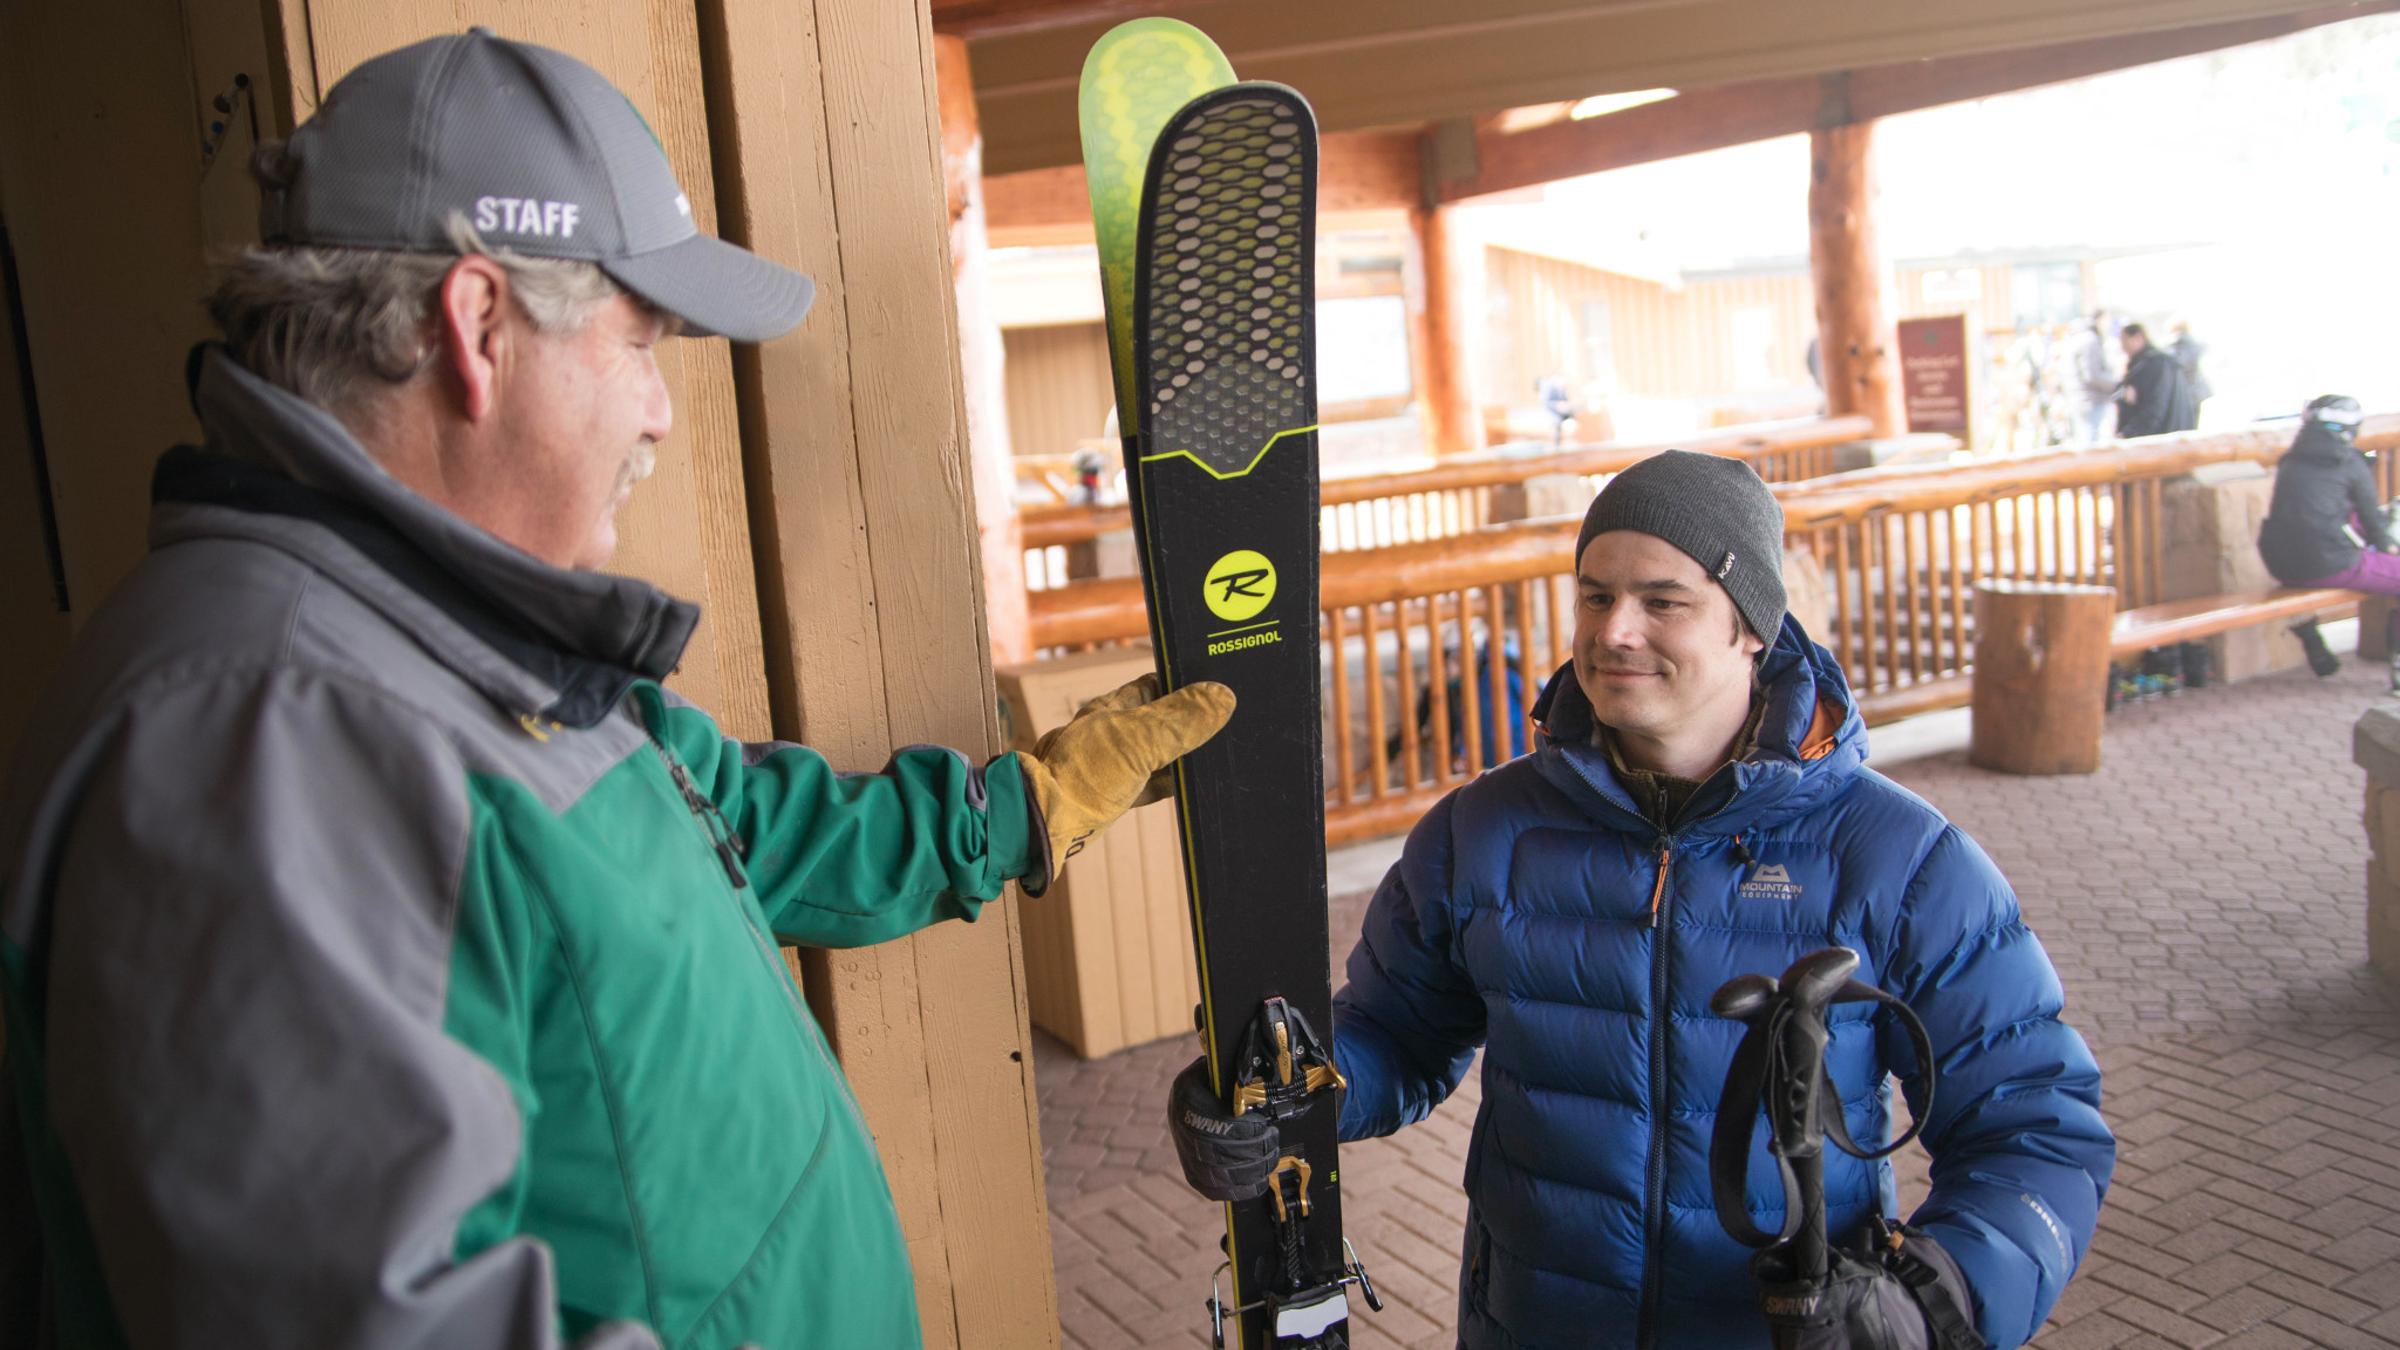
x=1227, y=322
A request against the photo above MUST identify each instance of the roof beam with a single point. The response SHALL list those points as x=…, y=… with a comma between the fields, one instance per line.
x=1356, y=171
x=1711, y=119
x=987, y=18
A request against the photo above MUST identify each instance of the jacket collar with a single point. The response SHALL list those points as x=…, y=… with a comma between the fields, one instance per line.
x=544, y=641
x=1810, y=741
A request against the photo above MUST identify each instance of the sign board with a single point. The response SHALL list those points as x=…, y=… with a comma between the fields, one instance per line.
x=1934, y=374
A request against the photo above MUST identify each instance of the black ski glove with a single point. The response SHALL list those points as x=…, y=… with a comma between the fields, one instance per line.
x=1898, y=1290
x=1225, y=1157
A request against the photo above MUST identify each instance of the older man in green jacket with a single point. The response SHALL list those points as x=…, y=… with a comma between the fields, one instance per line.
x=389, y=959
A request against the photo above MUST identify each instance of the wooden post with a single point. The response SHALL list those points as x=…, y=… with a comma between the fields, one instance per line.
x=1437, y=333
x=2041, y=676
x=982, y=357
x=1854, y=325
x=855, y=438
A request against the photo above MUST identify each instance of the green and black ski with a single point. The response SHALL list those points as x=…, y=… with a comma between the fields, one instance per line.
x=1210, y=297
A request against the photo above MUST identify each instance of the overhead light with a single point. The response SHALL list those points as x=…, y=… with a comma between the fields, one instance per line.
x=1601, y=105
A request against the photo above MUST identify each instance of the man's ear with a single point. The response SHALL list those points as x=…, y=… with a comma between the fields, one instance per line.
x=473, y=331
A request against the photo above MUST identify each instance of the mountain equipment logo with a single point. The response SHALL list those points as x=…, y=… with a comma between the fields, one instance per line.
x=1771, y=881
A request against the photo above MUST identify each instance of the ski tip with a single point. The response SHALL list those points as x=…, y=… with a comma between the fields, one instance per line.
x=1294, y=103
x=1156, y=39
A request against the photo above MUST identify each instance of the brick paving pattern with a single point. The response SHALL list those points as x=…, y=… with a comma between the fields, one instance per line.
x=2203, y=898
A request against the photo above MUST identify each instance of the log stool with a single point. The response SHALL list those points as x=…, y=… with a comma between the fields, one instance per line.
x=2374, y=627
x=2041, y=675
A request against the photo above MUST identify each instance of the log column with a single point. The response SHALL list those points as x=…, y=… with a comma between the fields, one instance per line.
x=982, y=357
x=1437, y=333
x=1854, y=325
x=2041, y=676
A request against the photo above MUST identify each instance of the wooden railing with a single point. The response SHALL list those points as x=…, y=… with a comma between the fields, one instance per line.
x=1901, y=551
x=1455, y=496
x=1410, y=630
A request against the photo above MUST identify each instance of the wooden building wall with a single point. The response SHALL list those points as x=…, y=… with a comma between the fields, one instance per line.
x=1059, y=389
x=814, y=496
x=1679, y=342
x=1662, y=342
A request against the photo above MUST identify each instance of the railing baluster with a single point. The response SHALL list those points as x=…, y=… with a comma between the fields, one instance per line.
x=1958, y=590
x=1842, y=611
x=1866, y=603
x=1411, y=776
x=1378, y=754
x=1891, y=599
x=2118, y=558
x=1504, y=720
x=1470, y=709
x=1916, y=638
x=2156, y=491
x=1526, y=673
x=1437, y=686
x=1337, y=632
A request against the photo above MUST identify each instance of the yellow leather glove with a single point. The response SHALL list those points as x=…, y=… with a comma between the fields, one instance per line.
x=1114, y=755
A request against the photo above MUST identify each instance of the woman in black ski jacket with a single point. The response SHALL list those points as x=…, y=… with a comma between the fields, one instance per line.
x=2323, y=485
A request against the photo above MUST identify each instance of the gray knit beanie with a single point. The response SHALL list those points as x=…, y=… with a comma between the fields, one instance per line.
x=1714, y=509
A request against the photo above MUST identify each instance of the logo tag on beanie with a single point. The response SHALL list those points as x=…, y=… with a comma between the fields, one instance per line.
x=1725, y=566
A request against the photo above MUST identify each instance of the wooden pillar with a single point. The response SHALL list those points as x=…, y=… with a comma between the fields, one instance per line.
x=855, y=430
x=2041, y=676
x=1438, y=349
x=982, y=358
x=1854, y=323
x=822, y=479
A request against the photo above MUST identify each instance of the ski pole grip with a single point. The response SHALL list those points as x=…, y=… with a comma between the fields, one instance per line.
x=1816, y=979
x=1742, y=998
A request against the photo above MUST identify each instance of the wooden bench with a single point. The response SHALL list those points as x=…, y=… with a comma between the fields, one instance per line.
x=2039, y=691
x=2163, y=625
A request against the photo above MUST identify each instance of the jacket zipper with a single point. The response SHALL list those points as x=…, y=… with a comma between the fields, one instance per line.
x=1654, y=1203
x=1654, y=1197
x=728, y=845
x=723, y=839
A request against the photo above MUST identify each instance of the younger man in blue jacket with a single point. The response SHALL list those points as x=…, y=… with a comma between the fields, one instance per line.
x=1699, y=807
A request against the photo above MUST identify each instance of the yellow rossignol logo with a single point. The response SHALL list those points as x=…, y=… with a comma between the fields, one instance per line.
x=1240, y=585
x=1238, y=589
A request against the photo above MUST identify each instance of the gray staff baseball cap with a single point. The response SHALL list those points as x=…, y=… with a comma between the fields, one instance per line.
x=541, y=154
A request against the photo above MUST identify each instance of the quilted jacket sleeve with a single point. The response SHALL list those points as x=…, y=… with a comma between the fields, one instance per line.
x=1406, y=1026
x=2021, y=1157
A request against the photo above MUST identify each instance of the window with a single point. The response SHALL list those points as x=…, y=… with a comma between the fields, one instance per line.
x=1362, y=349
x=2050, y=292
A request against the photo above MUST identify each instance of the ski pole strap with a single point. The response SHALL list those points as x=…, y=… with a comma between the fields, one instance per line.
x=1759, y=1078
x=1836, y=1127
x=1737, y=1119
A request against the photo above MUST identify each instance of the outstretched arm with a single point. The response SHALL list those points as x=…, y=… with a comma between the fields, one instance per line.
x=1408, y=1023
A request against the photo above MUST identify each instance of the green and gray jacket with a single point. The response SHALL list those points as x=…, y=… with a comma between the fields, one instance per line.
x=390, y=961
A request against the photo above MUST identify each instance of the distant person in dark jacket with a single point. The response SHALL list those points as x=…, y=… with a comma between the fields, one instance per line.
x=2324, y=490
x=2153, y=398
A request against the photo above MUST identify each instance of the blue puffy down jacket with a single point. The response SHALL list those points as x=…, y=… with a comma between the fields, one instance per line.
x=1521, y=919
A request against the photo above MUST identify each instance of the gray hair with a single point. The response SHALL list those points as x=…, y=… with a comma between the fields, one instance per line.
x=338, y=325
